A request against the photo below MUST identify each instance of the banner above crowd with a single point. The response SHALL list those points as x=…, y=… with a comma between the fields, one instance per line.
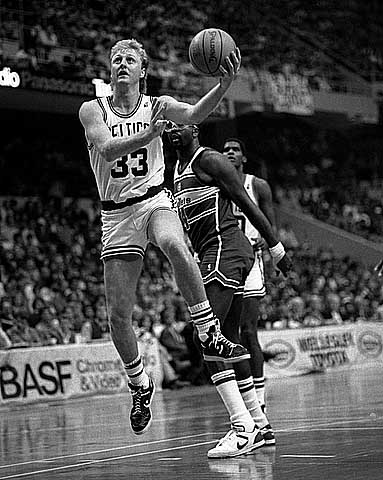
x=253, y=91
x=288, y=93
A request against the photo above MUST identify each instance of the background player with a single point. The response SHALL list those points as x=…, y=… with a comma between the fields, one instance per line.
x=123, y=134
x=260, y=192
x=205, y=184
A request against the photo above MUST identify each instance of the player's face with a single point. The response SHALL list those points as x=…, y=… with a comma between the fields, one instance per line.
x=234, y=153
x=179, y=135
x=126, y=67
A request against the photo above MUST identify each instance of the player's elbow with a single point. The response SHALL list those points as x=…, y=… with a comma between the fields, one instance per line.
x=193, y=116
x=106, y=152
x=196, y=119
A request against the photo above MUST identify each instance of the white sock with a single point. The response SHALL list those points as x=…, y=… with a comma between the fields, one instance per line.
x=203, y=318
x=136, y=373
x=259, y=384
x=227, y=388
x=249, y=395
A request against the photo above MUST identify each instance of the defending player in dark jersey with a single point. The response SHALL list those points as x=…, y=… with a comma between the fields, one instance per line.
x=205, y=184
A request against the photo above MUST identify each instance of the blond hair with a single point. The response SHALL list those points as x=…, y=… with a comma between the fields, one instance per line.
x=133, y=44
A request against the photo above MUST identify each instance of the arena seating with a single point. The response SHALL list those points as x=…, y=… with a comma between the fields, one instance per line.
x=51, y=288
x=73, y=39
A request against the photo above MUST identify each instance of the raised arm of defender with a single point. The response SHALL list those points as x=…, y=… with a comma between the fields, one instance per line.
x=213, y=167
x=265, y=199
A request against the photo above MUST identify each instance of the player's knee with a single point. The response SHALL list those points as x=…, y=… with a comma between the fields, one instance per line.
x=118, y=317
x=173, y=246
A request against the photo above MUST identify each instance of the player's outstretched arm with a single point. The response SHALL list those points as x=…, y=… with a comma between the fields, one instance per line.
x=265, y=199
x=223, y=173
x=187, y=114
x=110, y=147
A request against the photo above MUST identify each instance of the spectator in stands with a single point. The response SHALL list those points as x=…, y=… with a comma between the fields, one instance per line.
x=174, y=342
x=25, y=60
x=5, y=341
x=6, y=321
x=46, y=40
x=7, y=317
x=49, y=327
x=331, y=313
x=349, y=310
x=378, y=316
x=313, y=316
x=144, y=331
x=288, y=237
x=294, y=317
x=22, y=335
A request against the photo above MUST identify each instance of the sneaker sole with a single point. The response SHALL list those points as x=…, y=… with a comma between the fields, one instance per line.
x=213, y=358
x=145, y=429
x=150, y=421
x=244, y=451
x=270, y=442
x=264, y=448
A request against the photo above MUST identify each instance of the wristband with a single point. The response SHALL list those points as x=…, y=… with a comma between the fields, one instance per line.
x=277, y=252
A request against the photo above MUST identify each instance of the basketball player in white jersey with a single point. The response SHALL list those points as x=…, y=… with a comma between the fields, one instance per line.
x=259, y=191
x=123, y=133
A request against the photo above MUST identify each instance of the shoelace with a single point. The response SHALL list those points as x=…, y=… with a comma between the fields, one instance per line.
x=136, y=402
x=218, y=337
x=228, y=435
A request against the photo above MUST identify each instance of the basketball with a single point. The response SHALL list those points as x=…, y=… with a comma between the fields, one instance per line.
x=208, y=50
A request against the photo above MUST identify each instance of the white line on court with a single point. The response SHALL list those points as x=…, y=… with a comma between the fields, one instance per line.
x=325, y=424
x=82, y=454
x=308, y=456
x=91, y=462
x=103, y=460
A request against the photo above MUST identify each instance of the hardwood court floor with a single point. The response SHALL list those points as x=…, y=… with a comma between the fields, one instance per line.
x=328, y=426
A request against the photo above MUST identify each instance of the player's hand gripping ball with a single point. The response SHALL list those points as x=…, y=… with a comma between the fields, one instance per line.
x=208, y=50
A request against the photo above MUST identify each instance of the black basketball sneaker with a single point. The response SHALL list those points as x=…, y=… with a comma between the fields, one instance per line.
x=140, y=415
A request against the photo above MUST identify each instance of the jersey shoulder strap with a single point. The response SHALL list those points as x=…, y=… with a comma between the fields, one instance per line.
x=102, y=103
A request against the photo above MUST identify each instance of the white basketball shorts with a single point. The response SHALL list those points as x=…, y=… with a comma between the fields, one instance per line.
x=255, y=281
x=125, y=231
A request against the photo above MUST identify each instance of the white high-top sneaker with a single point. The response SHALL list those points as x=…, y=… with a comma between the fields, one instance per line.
x=236, y=442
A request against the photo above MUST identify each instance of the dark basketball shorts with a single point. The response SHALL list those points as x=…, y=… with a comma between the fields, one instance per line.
x=228, y=260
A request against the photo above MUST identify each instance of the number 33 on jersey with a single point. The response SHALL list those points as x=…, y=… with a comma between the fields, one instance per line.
x=136, y=163
x=130, y=175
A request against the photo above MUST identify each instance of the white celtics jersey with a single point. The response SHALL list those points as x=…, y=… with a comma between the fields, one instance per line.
x=130, y=175
x=250, y=231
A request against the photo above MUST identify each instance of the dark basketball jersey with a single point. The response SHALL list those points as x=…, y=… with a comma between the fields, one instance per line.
x=204, y=211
